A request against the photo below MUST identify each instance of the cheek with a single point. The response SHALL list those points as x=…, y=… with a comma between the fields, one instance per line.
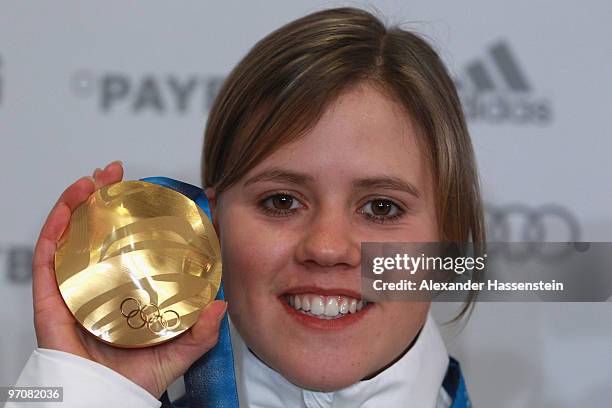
x=425, y=228
x=421, y=229
x=402, y=321
x=252, y=257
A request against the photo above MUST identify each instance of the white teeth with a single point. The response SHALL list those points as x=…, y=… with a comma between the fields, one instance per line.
x=331, y=306
x=305, y=304
x=344, y=306
x=325, y=307
x=316, y=306
x=353, y=306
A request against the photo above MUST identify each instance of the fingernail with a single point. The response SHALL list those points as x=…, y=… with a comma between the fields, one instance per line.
x=221, y=310
x=116, y=161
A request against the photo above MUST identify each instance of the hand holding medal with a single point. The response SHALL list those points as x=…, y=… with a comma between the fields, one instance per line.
x=135, y=265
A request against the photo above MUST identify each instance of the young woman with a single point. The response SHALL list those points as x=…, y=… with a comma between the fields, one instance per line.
x=332, y=131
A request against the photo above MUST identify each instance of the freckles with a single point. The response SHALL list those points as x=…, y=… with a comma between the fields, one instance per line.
x=238, y=244
x=253, y=260
x=276, y=246
x=280, y=252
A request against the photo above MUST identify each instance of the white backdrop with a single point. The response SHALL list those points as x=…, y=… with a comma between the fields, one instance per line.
x=82, y=84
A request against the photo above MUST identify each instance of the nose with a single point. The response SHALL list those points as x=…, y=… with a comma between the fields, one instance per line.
x=329, y=241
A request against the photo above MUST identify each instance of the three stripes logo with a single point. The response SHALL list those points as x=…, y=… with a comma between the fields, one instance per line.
x=496, y=90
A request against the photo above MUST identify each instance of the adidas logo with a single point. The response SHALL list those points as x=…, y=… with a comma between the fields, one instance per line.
x=496, y=90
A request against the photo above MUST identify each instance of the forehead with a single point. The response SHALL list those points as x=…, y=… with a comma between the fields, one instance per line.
x=363, y=132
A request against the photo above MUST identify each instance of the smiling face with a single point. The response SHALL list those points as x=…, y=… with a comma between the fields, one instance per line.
x=290, y=234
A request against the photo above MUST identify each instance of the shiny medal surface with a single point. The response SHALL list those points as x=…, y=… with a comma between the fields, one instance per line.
x=137, y=263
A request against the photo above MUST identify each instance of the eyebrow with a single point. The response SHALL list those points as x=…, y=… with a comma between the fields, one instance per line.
x=280, y=175
x=381, y=182
x=388, y=183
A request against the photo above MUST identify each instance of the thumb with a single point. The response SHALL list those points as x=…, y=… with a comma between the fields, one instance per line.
x=205, y=333
x=201, y=337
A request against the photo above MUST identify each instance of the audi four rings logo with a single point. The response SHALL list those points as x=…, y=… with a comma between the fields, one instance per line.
x=140, y=315
x=519, y=223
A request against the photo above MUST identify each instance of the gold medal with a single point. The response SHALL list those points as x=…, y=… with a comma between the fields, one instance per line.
x=137, y=264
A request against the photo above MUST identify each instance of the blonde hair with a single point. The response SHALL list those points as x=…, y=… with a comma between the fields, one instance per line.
x=280, y=89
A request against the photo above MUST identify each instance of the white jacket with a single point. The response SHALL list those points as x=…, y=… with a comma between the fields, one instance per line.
x=414, y=381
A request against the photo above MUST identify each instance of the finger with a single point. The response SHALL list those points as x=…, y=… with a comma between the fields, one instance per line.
x=201, y=337
x=44, y=283
x=77, y=192
x=43, y=271
x=112, y=173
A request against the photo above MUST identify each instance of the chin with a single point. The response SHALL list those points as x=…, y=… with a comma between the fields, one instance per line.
x=321, y=382
x=324, y=372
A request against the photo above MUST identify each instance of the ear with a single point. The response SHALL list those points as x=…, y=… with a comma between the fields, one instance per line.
x=211, y=195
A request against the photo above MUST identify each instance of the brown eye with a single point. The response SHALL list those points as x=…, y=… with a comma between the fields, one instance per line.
x=282, y=202
x=381, y=207
x=381, y=210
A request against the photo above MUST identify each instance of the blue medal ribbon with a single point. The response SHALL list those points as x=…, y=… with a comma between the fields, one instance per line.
x=454, y=385
x=210, y=382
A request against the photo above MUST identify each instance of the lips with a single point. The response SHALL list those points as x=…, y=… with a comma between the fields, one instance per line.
x=324, y=308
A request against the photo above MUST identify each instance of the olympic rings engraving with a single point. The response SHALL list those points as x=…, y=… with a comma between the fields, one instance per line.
x=150, y=315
